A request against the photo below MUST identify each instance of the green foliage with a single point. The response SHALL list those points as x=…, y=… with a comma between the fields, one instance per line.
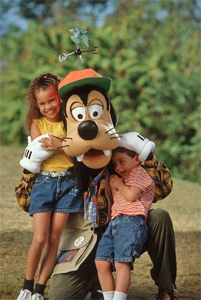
x=152, y=54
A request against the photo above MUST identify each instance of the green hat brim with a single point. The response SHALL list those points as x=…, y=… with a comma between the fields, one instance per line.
x=103, y=82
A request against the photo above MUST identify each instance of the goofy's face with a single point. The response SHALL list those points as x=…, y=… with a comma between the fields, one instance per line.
x=89, y=118
x=90, y=121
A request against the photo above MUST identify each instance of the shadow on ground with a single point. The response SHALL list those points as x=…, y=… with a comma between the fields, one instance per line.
x=15, y=245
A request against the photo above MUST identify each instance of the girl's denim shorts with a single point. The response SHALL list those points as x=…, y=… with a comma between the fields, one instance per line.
x=123, y=239
x=55, y=194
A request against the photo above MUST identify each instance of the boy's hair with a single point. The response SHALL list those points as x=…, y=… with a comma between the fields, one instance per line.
x=124, y=150
x=130, y=153
x=40, y=83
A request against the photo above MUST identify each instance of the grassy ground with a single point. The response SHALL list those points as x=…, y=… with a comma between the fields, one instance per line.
x=16, y=233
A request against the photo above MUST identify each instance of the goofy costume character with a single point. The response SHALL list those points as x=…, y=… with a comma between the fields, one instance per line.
x=90, y=120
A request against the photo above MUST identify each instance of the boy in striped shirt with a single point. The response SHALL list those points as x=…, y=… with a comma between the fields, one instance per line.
x=133, y=193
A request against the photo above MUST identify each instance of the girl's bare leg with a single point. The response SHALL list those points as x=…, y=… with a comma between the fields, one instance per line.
x=41, y=223
x=105, y=275
x=123, y=277
x=57, y=224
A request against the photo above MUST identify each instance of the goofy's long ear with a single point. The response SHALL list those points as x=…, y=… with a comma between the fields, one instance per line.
x=64, y=120
x=64, y=101
x=113, y=114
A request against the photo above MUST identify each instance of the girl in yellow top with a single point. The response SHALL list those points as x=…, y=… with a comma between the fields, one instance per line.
x=54, y=194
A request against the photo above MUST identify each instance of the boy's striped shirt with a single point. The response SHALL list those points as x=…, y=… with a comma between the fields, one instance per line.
x=141, y=179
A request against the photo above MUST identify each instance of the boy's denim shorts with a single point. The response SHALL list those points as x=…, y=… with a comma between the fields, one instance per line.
x=123, y=239
x=55, y=194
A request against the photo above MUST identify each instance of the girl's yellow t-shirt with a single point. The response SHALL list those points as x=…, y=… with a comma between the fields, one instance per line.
x=57, y=161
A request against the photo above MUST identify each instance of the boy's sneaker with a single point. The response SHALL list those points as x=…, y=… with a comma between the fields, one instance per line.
x=37, y=297
x=24, y=295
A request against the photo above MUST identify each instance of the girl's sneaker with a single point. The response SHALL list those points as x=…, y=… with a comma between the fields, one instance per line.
x=37, y=297
x=24, y=295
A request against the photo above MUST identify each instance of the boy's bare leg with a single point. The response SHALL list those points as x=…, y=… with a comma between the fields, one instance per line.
x=105, y=275
x=123, y=277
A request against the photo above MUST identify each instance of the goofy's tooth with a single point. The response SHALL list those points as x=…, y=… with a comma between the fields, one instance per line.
x=80, y=157
x=106, y=152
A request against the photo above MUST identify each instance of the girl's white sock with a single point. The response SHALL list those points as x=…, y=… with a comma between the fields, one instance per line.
x=109, y=295
x=119, y=296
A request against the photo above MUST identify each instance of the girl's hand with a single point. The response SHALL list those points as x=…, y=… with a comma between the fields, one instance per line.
x=51, y=143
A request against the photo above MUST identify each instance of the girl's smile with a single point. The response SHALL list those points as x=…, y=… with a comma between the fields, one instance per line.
x=49, y=104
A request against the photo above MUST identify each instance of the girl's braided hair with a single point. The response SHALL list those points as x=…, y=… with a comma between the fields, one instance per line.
x=40, y=83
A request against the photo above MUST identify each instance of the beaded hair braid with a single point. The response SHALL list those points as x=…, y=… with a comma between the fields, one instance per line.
x=40, y=83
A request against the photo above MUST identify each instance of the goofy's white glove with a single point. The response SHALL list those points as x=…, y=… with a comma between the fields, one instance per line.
x=34, y=154
x=136, y=142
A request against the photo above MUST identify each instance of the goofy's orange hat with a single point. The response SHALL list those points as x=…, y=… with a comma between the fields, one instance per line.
x=83, y=77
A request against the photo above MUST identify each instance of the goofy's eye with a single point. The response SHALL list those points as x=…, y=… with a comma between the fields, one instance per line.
x=95, y=111
x=79, y=113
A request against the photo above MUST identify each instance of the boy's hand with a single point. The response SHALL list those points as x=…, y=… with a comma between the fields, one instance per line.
x=111, y=184
x=115, y=181
x=34, y=154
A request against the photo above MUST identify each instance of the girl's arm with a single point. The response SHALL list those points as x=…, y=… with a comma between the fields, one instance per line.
x=49, y=144
x=129, y=193
x=52, y=143
x=35, y=132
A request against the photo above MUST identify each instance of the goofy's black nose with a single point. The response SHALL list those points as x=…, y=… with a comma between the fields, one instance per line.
x=88, y=130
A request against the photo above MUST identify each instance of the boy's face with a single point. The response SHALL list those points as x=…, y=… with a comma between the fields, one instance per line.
x=123, y=163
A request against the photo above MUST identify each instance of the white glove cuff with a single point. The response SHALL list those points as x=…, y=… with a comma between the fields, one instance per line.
x=30, y=166
x=149, y=147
